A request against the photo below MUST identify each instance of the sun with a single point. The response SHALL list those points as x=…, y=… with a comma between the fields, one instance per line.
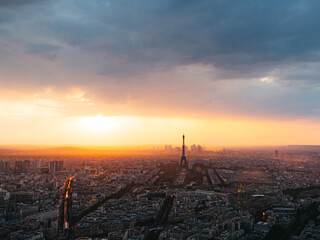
x=98, y=123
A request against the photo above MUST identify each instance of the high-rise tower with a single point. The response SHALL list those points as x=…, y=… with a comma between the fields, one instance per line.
x=183, y=157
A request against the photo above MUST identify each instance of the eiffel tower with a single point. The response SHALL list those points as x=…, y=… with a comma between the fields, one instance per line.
x=183, y=161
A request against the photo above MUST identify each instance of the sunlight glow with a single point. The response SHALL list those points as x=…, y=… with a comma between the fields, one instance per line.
x=98, y=123
x=268, y=79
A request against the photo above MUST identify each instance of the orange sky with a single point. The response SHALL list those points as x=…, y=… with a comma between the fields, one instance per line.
x=34, y=124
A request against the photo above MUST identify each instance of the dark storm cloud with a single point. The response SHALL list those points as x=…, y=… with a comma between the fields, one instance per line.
x=149, y=34
x=222, y=33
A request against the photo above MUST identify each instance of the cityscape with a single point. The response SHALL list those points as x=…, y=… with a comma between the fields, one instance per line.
x=159, y=120
x=254, y=193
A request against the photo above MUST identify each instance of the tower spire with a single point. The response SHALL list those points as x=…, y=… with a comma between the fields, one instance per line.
x=183, y=157
x=183, y=147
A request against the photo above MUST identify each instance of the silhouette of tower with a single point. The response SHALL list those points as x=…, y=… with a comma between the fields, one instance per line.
x=183, y=161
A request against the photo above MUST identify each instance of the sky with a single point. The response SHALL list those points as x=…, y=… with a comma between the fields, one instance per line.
x=99, y=72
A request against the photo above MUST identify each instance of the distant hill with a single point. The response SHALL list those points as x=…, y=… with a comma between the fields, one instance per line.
x=304, y=147
x=72, y=151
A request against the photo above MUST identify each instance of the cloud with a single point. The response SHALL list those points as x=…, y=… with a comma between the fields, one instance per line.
x=217, y=52
x=12, y=3
x=144, y=35
x=152, y=34
x=44, y=50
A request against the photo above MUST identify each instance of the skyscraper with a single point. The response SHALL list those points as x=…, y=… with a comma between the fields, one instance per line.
x=53, y=167
x=25, y=166
x=18, y=166
x=1, y=166
x=35, y=166
x=276, y=153
x=7, y=167
x=60, y=166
